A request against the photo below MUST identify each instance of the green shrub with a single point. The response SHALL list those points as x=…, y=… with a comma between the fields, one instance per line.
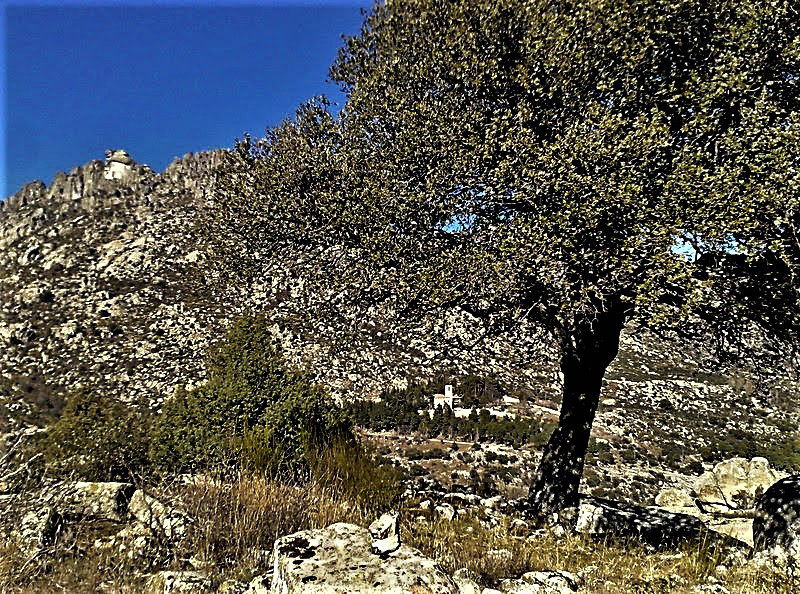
x=293, y=432
x=188, y=436
x=97, y=438
x=783, y=455
x=253, y=410
x=358, y=475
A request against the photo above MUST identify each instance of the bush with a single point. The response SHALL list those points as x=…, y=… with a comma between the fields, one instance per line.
x=97, y=438
x=357, y=475
x=293, y=433
x=253, y=410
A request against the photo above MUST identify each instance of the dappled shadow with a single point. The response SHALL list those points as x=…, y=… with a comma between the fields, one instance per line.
x=777, y=517
x=653, y=526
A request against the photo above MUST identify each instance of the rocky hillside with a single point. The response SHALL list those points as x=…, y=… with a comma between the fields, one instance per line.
x=105, y=283
x=100, y=282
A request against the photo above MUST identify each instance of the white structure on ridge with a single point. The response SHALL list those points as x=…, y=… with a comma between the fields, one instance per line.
x=119, y=164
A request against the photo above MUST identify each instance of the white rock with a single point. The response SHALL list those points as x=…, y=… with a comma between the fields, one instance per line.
x=38, y=529
x=736, y=481
x=499, y=555
x=234, y=587
x=384, y=526
x=465, y=583
x=174, y=582
x=518, y=525
x=165, y=521
x=514, y=586
x=553, y=582
x=492, y=502
x=674, y=498
x=711, y=589
x=94, y=500
x=339, y=559
x=445, y=511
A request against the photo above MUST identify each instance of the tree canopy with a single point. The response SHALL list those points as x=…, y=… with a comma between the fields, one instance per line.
x=579, y=163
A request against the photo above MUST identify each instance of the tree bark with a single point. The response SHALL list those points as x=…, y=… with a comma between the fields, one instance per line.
x=586, y=352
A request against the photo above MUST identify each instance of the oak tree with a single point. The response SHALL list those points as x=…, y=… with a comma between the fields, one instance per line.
x=581, y=164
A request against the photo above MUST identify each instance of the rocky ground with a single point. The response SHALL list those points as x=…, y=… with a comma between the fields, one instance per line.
x=483, y=544
x=104, y=281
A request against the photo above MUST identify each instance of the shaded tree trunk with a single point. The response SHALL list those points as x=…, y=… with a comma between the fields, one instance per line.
x=586, y=353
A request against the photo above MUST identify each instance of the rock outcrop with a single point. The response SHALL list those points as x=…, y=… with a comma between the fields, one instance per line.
x=140, y=526
x=716, y=496
x=339, y=558
x=541, y=582
x=96, y=501
x=651, y=525
x=178, y=582
x=736, y=483
x=164, y=522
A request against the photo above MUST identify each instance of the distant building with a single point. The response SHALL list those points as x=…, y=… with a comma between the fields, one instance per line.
x=448, y=398
x=119, y=164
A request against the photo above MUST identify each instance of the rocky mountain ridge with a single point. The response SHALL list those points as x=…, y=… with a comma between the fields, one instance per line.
x=105, y=283
x=86, y=269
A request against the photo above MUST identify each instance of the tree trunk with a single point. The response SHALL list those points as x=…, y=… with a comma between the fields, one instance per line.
x=586, y=353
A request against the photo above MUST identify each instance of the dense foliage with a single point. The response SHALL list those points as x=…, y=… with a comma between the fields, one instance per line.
x=253, y=412
x=252, y=405
x=543, y=158
x=411, y=410
x=97, y=438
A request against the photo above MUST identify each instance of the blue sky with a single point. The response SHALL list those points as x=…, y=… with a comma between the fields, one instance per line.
x=157, y=80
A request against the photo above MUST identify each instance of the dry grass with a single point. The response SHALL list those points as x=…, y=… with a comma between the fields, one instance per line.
x=606, y=567
x=235, y=525
x=238, y=519
x=78, y=568
x=237, y=522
